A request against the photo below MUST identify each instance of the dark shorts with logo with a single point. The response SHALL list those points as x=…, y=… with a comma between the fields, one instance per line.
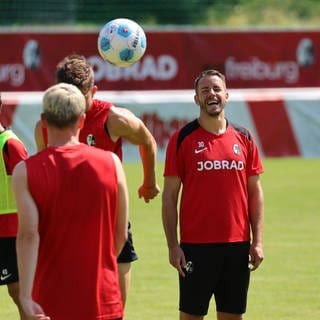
x=8, y=261
x=219, y=270
x=128, y=253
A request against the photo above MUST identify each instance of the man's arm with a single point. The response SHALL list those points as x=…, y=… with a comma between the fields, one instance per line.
x=123, y=123
x=121, y=229
x=256, y=210
x=170, y=195
x=27, y=241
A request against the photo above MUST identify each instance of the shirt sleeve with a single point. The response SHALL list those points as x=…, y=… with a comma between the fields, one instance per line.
x=13, y=152
x=254, y=164
x=171, y=168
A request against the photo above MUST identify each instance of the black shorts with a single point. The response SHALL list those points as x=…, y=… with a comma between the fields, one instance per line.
x=128, y=253
x=220, y=270
x=8, y=261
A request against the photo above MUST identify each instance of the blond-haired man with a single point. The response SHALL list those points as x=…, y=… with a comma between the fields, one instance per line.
x=73, y=208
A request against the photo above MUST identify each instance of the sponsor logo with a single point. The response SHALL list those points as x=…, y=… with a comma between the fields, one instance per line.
x=196, y=151
x=5, y=275
x=220, y=165
x=200, y=147
x=161, y=68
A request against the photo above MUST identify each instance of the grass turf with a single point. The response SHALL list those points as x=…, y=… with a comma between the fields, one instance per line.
x=286, y=285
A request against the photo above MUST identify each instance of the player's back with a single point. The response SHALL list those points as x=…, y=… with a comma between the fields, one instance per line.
x=75, y=189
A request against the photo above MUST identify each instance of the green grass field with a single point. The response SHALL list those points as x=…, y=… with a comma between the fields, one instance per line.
x=286, y=287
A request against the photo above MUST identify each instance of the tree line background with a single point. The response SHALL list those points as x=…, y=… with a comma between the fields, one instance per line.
x=220, y=13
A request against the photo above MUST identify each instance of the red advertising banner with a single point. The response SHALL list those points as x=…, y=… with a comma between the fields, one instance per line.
x=249, y=59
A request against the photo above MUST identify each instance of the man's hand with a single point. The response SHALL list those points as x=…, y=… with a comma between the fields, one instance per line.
x=32, y=310
x=177, y=259
x=256, y=256
x=148, y=193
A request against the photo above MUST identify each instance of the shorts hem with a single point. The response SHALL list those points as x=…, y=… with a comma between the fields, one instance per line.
x=194, y=313
x=127, y=260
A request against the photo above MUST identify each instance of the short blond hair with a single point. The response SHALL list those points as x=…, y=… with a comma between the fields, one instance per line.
x=63, y=104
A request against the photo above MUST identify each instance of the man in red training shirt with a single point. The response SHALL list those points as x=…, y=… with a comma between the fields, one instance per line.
x=105, y=127
x=72, y=205
x=217, y=165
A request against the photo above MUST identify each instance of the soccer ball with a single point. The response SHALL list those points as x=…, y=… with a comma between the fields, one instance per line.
x=122, y=42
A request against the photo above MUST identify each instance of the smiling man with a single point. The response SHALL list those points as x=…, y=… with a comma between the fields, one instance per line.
x=217, y=166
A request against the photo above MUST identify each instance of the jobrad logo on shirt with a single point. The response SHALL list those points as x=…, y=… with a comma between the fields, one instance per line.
x=220, y=165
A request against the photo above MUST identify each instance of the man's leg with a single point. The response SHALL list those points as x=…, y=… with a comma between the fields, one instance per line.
x=127, y=255
x=124, y=270
x=13, y=290
x=228, y=316
x=187, y=316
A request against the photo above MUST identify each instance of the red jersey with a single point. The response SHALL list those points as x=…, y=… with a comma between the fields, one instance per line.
x=94, y=132
x=13, y=152
x=214, y=170
x=76, y=275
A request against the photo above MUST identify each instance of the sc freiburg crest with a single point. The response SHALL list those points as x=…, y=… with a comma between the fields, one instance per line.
x=91, y=140
x=236, y=149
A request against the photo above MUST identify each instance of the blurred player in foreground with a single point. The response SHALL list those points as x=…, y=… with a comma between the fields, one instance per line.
x=72, y=205
x=12, y=151
x=105, y=127
x=217, y=165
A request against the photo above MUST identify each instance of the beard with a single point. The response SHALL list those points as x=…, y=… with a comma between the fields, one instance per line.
x=212, y=110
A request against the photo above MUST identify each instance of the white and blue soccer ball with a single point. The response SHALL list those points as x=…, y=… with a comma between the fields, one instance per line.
x=122, y=42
